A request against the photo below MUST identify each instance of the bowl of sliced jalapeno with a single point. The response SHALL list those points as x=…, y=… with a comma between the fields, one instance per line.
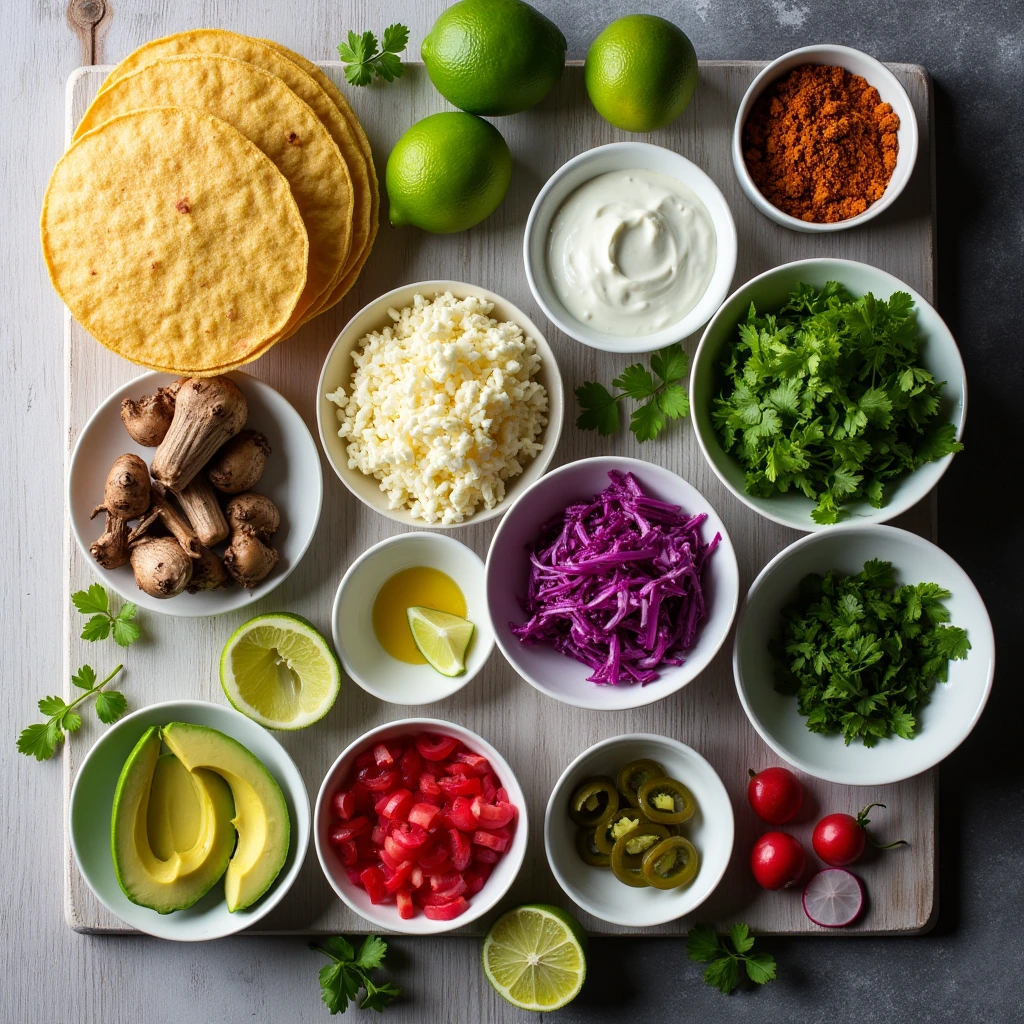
x=639, y=830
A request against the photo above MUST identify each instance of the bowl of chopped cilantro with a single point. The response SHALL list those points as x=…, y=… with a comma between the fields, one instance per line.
x=863, y=655
x=828, y=391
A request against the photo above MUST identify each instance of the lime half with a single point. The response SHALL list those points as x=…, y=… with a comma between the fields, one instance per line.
x=534, y=957
x=279, y=671
x=442, y=638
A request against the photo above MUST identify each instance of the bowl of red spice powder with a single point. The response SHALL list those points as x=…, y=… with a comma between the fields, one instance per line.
x=825, y=139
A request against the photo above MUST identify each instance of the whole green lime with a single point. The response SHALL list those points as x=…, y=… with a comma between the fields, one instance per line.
x=641, y=72
x=447, y=173
x=493, y=56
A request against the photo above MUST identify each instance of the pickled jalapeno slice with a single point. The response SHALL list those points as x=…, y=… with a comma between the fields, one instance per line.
x=629, y=849
x=666, y=801
x=634, y=775
x=618, y=824
x=588, y=851
x=671, y=863
x=593, y=800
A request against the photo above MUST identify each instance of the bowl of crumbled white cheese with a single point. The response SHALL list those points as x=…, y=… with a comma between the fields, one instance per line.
x=438, y=403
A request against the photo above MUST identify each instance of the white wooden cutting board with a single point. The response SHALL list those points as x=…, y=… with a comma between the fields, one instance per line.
x=538, y=736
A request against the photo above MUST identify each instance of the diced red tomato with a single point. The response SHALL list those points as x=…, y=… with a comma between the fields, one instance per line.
x=407, y=835
x=409, y=768
x=349, y=830
x=347, y=852
x=483, y=855
x=403, y=900
x=477, y=763
x=501, y=796
x=492, y=840
x=365, y=759
x=448, y=886
x=373, y=882
x=460, y=849
x=416, y=877
x=430, y=857
x=343, y=803
x=382, y=755
x=455, y=768
x=377, y=780
x=444, y=867
x=461, y=816
x=435, y=748
x=446, y=911
x=492, y=815
x=394, y=881
x=397, y=805
x=459, y=785
x=428, y=784
x=490, y=787
x=422, y=815
x=378, y=835
x=476, y=875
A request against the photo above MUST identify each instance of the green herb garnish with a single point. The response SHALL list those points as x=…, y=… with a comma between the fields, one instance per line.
x=341, y=980
x=363, y=61
x=599, y=409
x=41, y=740
x=827, y=396
x=96, y=603
x=862, y=654
x=724, y=956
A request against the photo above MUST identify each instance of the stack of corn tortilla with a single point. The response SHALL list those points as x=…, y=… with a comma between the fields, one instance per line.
x=219, y=192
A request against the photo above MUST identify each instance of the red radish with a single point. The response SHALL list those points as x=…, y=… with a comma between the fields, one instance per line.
x=775, y=795
x=833, y=898
x=839, y=839
x=777, y=860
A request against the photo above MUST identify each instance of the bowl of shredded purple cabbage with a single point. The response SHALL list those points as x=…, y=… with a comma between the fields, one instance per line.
x=611, y=583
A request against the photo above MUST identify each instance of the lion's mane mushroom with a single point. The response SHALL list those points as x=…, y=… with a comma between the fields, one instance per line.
x=149, y=418
x=161, y=566
x=239, y=465
x=208, y=572
x=202, y=509
x=208, y=411
x=111, y=549
x=127, y=490
x=256, y=511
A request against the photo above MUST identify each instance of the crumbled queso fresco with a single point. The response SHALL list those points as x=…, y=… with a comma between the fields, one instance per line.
x=443, y=407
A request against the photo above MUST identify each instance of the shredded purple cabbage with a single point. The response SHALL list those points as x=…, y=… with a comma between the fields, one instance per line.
x=616, y=584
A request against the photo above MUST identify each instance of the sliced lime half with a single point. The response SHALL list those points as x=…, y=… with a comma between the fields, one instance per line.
x=442, y=638
x=534, y=957
x=279, y=671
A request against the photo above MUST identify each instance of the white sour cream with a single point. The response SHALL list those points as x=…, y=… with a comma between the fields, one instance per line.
x=631, y=252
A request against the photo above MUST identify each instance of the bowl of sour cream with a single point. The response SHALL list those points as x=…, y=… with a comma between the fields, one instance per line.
x=629, y=247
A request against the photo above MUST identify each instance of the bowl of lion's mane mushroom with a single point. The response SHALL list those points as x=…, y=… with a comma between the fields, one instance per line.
x=194, y=495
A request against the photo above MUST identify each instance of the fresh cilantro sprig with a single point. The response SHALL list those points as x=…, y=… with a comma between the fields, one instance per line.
x=827, y=397
x=96, y=603
x=862, y=654
x=341, y=980
x=363, y=60
x=41, y=740
x=660, y=402
x=723, y=955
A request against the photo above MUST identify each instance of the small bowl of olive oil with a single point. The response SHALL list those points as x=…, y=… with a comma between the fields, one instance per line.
x=403, y=614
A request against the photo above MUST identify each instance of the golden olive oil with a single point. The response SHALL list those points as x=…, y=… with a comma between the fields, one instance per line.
x=408, y=588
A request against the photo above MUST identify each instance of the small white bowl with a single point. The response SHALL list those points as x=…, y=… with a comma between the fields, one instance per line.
x=943, y=724
x=364, y=659
x=92, y=801
x=292, y=479
x=711, y=830
x=890, y=91
x=621, y=156
x=768, y=291
x=338, y=368
x=385, y=915
x=508, y=569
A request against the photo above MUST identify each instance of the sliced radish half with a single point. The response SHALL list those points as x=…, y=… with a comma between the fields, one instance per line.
x=833, y=898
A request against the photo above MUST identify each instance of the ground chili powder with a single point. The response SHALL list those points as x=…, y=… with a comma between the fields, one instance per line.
x=820, y=144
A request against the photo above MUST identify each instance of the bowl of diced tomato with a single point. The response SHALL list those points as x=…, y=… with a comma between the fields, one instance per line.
x=420, y=826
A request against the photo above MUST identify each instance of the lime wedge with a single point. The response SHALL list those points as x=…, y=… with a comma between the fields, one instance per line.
x=441, y=638
x=279, y=671
x=534, y=957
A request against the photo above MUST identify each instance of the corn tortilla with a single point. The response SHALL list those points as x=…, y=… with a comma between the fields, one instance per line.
x=174, y=240
x=272, y=59
x=272, y=117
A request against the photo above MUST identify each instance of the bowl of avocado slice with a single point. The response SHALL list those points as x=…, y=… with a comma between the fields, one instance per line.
x=189, y=821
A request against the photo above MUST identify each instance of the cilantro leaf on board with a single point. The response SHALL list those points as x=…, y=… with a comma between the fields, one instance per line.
x=341, y=980
x=661, y=400
x=724, y=954
x=95, y=602
x=363, y=60
x=94, y=599
x=826, y=396
x=862, y=654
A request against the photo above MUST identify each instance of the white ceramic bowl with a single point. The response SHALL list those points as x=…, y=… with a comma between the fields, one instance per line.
x=385, y=915
x=890, y=91
x=338, y=368
x=508, y=569
x=768, y=291
x=92, y=801
x=364, y=659
x=711, y=830
x=292, y=479
x=943, y=724
x=620, y=156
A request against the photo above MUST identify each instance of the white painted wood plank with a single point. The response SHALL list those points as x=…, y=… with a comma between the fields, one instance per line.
x=179, y=657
